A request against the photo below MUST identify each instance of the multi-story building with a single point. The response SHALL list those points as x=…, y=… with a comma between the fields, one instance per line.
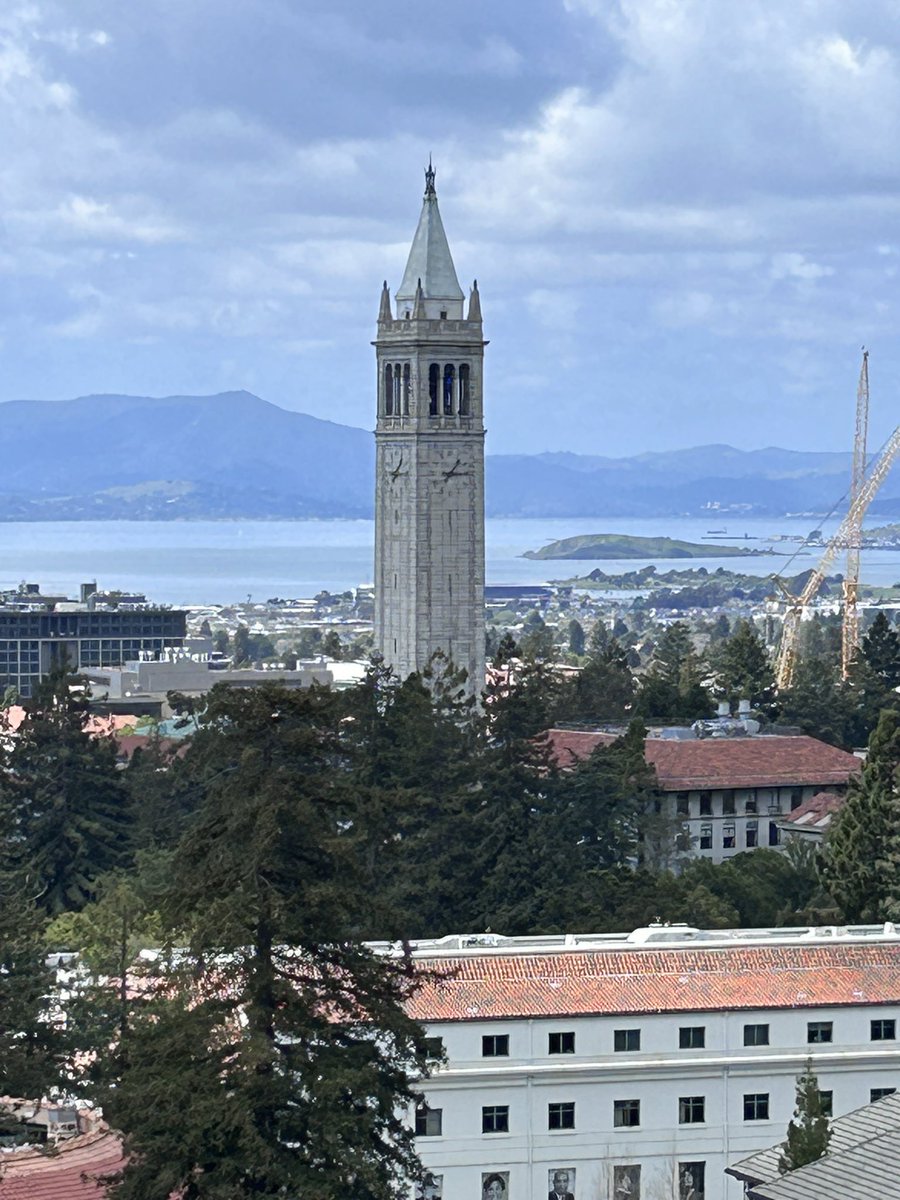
x=639, y=1067
x=731, y=793
x=38, y=633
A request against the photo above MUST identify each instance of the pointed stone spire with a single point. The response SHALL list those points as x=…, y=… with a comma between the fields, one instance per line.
x=384, y=309
x=474, y=303
x=431, y=263
x=418, y=312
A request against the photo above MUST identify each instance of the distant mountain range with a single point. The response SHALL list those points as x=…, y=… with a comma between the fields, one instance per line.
x=235, y=455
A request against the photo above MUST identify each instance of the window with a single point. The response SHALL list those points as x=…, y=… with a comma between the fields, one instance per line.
x=561, y=1116
x=495, y=1118
x=692, y=1037
x=429, y=1121
x=706, y=837
x=692, y=1181
x=774, y=834
x=818, y=1031
x=728, y=836
x=626, y=1113
x=728, y=804
x=827, y=1103
x=627, y=1039
x=756, y=1035
x=561, y=1043
x=434, y=1048
x=434, y=372
x=796, y=797
x=449, y=388
x=464, y=393
x=682, y=804
x=884, y=1030
x=756, y=1106
x=389, y=390
x=443, y=314
x=750, y=803
x=691, y=1110
x=752, y=834
x=706, y=804
x=495, y=1045
x=406, y=389
x=880, y=1093
x=627, y=1183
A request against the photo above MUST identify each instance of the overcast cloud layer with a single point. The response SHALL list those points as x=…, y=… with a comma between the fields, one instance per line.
x=684, y=215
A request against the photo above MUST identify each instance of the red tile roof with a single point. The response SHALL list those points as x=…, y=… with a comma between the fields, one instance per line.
x=69, y=1174
x=735, y=762
x=816, y=812
x=605, y=981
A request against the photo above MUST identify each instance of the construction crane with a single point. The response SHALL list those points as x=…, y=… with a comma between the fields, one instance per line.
x=850, y=622
x=786, y=662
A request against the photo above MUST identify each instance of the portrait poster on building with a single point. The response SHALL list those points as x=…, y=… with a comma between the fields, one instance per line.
x=495, y=1186
x=561, y=1183
x=430, y=1187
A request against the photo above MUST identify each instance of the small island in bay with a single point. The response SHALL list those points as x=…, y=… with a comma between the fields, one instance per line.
x=621, y=545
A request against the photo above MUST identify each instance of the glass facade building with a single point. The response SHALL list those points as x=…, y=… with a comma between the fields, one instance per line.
x=33, y=642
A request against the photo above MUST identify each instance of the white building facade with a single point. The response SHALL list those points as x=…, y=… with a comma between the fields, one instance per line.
x=640, y=1067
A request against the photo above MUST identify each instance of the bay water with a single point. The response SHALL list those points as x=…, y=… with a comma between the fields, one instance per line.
x=224, y=562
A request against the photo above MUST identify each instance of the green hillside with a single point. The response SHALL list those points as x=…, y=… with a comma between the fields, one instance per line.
x=620, y=545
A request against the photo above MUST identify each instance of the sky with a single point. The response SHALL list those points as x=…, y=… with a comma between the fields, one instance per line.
x=683, y=215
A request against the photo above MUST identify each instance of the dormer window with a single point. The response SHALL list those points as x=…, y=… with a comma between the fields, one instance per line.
x=443, y=314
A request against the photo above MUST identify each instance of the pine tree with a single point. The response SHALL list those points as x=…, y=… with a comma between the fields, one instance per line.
x=743, y=670
x=576, y=637
x=858, y=860
x=31, y=1047
x=808, y=1133
x=63, y=794
x=275, y=1059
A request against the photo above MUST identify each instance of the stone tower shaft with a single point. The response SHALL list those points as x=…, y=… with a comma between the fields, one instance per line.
x=429, y=500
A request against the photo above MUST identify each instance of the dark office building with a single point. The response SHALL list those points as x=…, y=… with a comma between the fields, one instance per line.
x=33, y=640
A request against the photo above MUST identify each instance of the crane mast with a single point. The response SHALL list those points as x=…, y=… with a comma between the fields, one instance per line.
x=850, y=623
x=786, y=662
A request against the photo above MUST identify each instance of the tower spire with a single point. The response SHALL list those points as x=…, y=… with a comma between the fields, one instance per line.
x=474, y=303
x=431, y=262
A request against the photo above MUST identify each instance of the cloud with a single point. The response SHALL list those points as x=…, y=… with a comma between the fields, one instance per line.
x=652, y=194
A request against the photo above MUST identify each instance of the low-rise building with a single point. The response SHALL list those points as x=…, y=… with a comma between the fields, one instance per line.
x=641, y=1066
x=732, y=793
x=38, y=633
x=862, y=1161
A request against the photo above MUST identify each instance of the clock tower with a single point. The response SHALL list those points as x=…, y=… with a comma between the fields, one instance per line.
x=429, y=466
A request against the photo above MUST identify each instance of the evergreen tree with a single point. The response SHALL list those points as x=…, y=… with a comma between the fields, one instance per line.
x=603, y=690
x=819, y=703
x=576, y=637
x=743, y=670
x=31, y=1047
x=881, y=650
x=333, y=647
x=861, y=844
x=673, y=686
x=808, y=1133
x=507, y=650
x=240, y=646
x=64, y=806
x=275, y=1059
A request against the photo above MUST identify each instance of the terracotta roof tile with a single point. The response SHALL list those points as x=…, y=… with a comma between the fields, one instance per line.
x=71, y=1174
x=645, y=980
x=737, y=762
